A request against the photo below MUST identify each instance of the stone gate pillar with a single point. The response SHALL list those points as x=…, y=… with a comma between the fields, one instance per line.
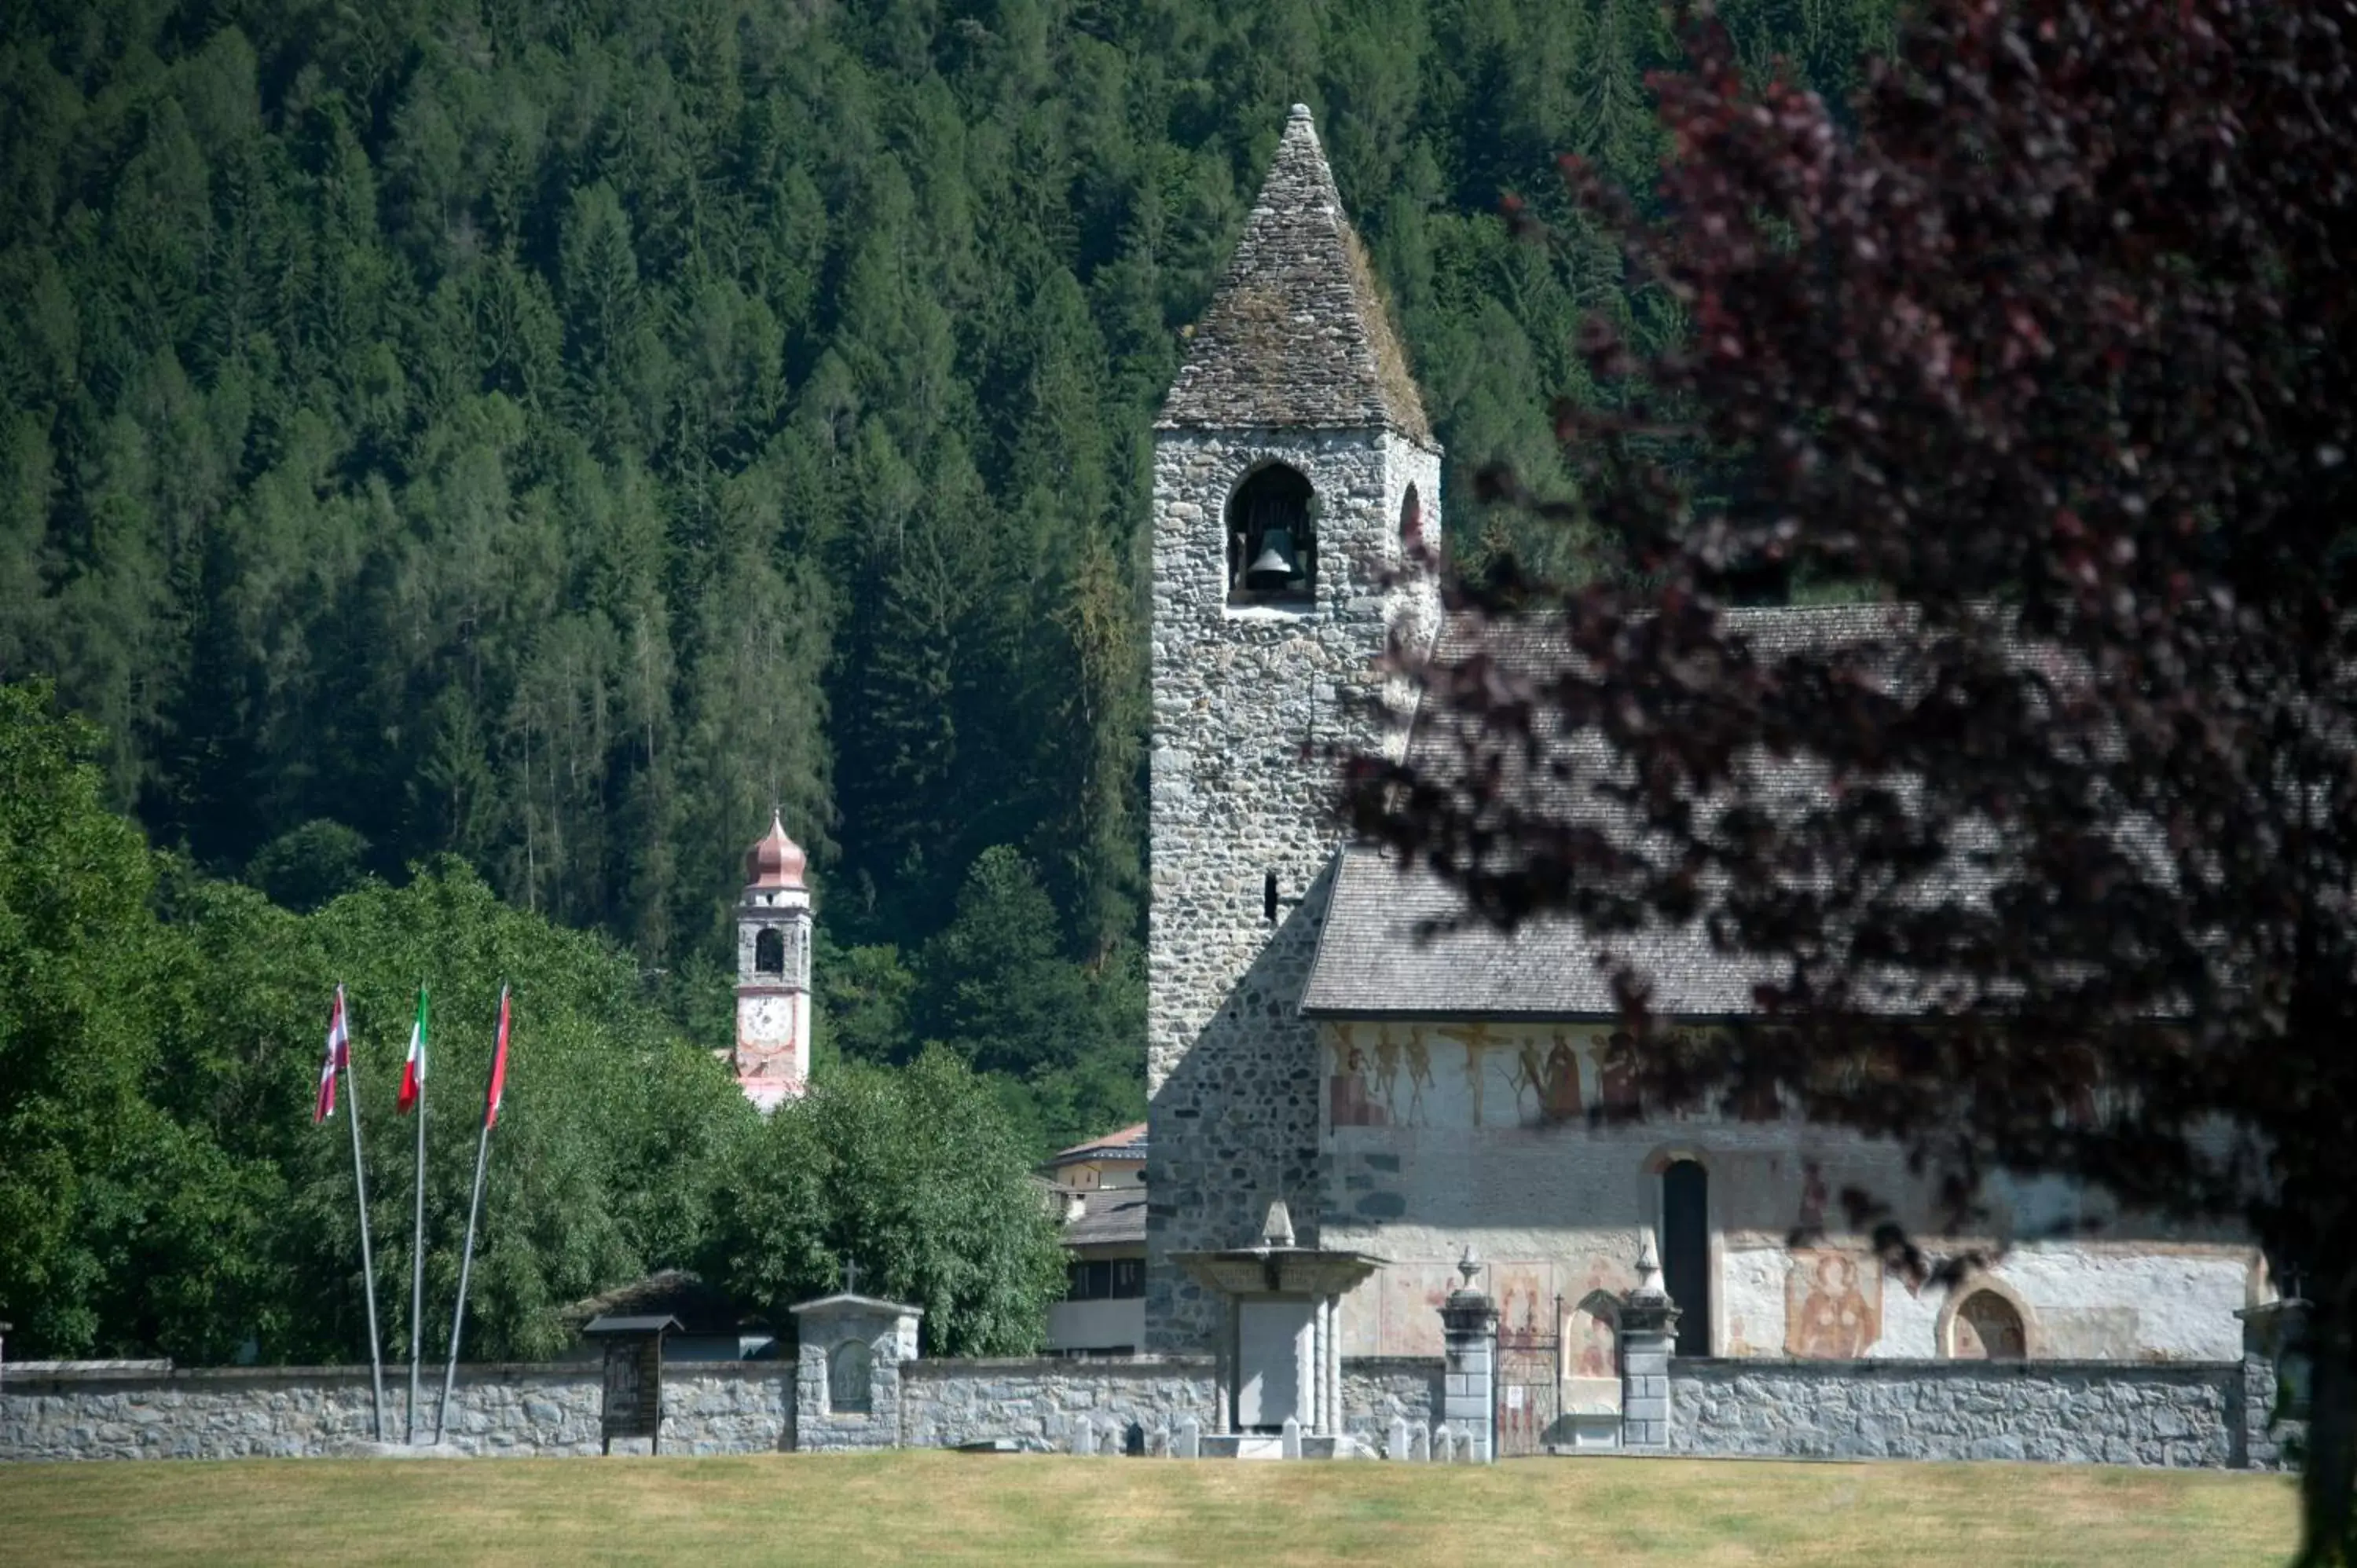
x=1469, y=1350
x=1649, y=1327
x=2267, y=1416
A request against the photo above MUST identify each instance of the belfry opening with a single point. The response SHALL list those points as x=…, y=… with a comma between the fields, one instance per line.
x=1272, y=545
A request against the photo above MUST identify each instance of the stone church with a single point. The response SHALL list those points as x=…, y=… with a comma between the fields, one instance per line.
x=1409, y=1099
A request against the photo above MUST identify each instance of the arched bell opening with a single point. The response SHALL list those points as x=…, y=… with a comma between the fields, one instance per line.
x=1272, y=540
x=769, y=951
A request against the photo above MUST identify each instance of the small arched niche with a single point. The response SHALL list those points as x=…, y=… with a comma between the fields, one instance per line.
x=1272, y=540
x=1411, y=524
x=847, y=1380
x=1591, y=1347
x=1986, y=1324
x=769, y=951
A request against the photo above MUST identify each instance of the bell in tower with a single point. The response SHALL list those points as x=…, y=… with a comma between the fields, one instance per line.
x=773, y=957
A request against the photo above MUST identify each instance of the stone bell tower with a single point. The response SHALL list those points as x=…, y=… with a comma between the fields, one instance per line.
x=1296, y=490
x=773, y=970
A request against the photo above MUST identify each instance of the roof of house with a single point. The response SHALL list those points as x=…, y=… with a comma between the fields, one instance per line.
x=1109, y=1218
x=1298, y=335
x=1392, y=945
x=700, y=1307
x=1128, y=1144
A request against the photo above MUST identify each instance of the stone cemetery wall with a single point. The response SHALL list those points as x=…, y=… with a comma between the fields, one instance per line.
x=2109, y=1412
x=1040, y=1405
x=239, y=1412
x=1377, y=1388
x=2185, y=1414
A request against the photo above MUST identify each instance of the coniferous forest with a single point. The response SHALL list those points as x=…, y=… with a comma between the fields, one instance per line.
x=549, y=435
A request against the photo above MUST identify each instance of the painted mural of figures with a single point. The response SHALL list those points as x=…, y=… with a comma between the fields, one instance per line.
x=1387, y=1066
x=1419, y=1074
x=1346, y=1090
x=1833, y=1304
x=1619, y=1072
x=1530, y=1079
x=1522, y=1294
x=1561, y=1100
x=1475, y=1039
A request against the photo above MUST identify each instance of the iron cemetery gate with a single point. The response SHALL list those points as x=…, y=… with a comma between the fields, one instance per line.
x=1530, y=1382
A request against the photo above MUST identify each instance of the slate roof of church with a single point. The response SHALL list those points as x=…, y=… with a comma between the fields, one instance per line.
x=1379, y=956
x=1298, y=335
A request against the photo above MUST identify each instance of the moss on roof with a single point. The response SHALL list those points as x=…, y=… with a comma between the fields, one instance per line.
x=1298, y=335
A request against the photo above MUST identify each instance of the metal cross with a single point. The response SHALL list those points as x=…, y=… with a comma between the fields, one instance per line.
x=850, y=1277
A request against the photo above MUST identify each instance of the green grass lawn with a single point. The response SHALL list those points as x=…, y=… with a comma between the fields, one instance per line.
x=936, y=1507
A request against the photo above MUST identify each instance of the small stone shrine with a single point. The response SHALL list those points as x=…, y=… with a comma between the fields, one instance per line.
x=847, y=1384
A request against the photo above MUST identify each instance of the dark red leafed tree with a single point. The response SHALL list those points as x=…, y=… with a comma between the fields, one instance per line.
x=2054, y=350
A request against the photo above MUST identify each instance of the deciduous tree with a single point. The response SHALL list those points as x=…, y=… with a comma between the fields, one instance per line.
x=2057, y=354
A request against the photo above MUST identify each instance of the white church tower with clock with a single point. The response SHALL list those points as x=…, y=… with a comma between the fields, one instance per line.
x=773, y=1055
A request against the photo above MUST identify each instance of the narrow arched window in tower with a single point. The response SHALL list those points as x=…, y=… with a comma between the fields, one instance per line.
x=1272, y=540
x=1412, y=525
x=769, y=951
x=1685, y=1252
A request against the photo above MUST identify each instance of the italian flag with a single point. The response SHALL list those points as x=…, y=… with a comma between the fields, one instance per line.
x=412, y=1071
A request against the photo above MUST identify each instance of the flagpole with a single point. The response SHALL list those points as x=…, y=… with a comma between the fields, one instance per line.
x=417, y=1259
x=466, y=1262
x=368, y=1255
x=474, y=1208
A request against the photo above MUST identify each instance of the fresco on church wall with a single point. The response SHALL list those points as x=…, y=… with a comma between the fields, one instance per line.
x=1833, y=1304
x=1411, y=1297
x=1440, y=1135
x=1525, y=1295
x=1591, y=1347
x=1475, y=1074
x=1471, y=1075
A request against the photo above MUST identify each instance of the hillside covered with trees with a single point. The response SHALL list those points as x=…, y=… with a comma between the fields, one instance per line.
x=550, y=435
x=165, y=1190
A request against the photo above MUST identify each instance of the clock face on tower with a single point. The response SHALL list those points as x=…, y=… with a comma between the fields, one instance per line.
x=769, y=1020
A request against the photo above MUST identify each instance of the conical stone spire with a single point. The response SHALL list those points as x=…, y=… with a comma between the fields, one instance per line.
x=1298, y=336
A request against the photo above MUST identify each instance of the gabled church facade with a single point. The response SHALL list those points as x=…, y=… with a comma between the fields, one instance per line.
x=1409, y=1099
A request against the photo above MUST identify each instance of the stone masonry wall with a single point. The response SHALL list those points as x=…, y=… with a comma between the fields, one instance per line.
x=1376, y=1389
x=2182, y=1414
x=1039, y=1404
x=1249, y=702
x=307, y=1412
x=2088, y=1412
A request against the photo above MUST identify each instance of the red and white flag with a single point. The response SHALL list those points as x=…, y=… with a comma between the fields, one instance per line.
x=339, y=1054
x=412, y=1071
x=499, y=1068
